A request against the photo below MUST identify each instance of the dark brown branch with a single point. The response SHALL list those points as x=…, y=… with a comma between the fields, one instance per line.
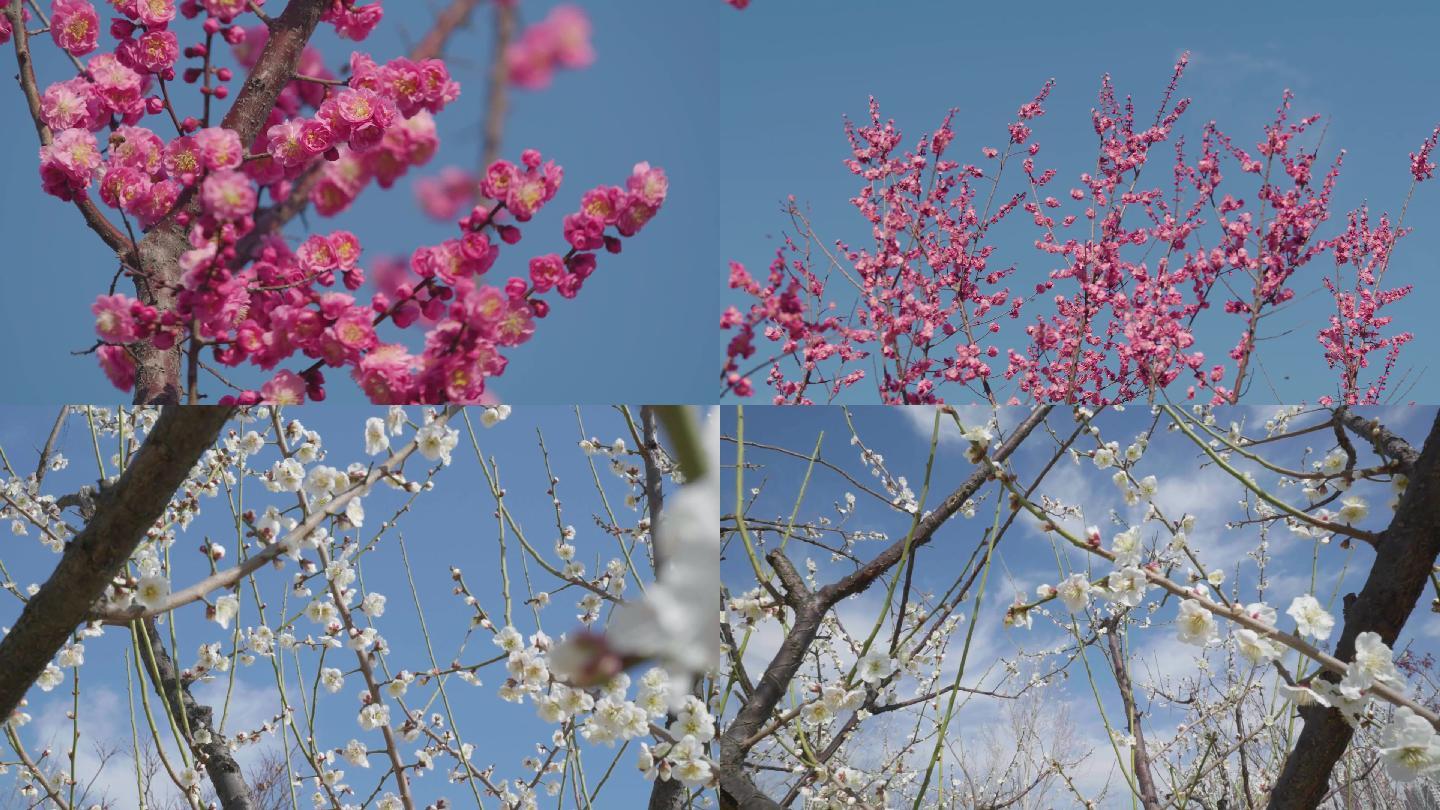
x=1384, y=442
x=654, y=479
x=1404, y=558
x=124, y=513
x=1140, y=760
x=221, y=768
x=796, y=594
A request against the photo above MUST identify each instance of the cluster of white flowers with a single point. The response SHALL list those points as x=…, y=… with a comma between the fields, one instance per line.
x=902, y=497
x=435, y=440
x=328, y=597
x=832, y=700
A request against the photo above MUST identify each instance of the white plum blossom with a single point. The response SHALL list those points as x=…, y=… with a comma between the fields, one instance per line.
x=1104, y=457
x=377, y=440
x=436, y=440
x=509, y=640
x=875, y=667
x=332, y=679
x=226, y=608
x=1195, y=624
x=375, y=715
x=152, y=591
x=251, y=443
x=1373, y=664
x=1409, y=746
x=1261, y=612
x=356, y=754
x=1126, y=586
x=691, y=766
x=51, y=677
x=1353, y=509
x=1334, y=462
x=322, y=611
x=1148, y=487
x=189, y=779
x=373, y=605
x=1310, y=617
x=1126, y=547
x=287, y=475
x=355, y=512
x=1074, y=591
x=1254, y=647
x=693, y=720
x=492, y=416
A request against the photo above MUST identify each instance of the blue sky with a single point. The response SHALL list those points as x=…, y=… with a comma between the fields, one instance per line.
x=791, y=74
x=649, y=96
x=1025, y=558
x=451, y=525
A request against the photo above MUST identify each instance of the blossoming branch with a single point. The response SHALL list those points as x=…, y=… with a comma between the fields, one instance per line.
x=216, y=281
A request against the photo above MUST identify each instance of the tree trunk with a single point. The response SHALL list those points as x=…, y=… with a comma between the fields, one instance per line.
x=222, y=769
x=1404, y=557
x=157, y=372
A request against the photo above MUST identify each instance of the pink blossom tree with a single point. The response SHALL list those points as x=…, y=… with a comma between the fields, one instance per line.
x=1001, y=280
x=181, y=198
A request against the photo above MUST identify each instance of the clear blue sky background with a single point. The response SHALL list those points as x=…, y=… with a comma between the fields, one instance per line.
x=1025, y=558
x=649, y=96
x=791, y=72
x=451, y=525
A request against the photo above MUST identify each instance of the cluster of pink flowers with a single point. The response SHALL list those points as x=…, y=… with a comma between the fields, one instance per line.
x=68, y=164
x=1126, y=286
x=358, y=118
x=1357, y=329
x=1422, y=168
x=781, y=311
x=561, y=40
x=285, y=303
x=245, y=295
x=352, y=21
x=738, y=3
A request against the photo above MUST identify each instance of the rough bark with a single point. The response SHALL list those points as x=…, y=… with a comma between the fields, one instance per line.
x=223, y=771
x=1382, y=439
x=123, y=513
x=157, y=371
x=1404, y=556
